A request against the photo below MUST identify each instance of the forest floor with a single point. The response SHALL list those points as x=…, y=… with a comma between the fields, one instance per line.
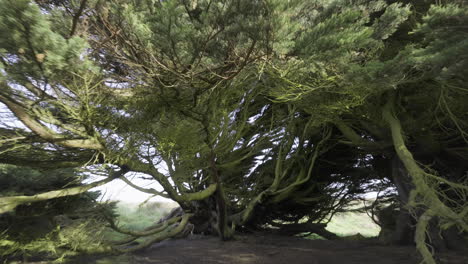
x=272, y=249
x=261, y=248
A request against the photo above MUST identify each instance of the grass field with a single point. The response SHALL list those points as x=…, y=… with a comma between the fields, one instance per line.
x=135, y=216
x=351, y=223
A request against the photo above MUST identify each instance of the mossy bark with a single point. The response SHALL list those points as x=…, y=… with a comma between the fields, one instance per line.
x=169, y=232
x=8, y=204
x=423, y=199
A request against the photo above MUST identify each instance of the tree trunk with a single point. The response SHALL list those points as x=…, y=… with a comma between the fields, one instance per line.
x=404, y=228
x=431, y=206
x=225, y=233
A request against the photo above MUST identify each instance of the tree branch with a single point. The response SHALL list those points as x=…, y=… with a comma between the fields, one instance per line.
x=76, y=17
x=356, y=139
x=9, y=203
x=45, y=133
x=165, y=234
x=145, y=190
x=139, y=166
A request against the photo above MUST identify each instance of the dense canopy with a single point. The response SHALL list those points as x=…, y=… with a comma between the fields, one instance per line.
x=249, y=114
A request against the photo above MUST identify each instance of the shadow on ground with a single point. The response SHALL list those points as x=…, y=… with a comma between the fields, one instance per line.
x=271, y=249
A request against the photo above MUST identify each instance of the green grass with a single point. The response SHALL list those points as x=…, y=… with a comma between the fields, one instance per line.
x=351, y=223
x=136, y=216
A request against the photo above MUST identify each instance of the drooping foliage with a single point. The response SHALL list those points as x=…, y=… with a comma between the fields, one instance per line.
x=250, y=114
x=53, y=228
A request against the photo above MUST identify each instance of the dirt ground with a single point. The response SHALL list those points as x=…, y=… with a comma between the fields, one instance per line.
x=271, y=249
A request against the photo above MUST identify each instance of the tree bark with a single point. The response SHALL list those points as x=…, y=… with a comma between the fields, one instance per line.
x=423, y=198
x=225, y=232
x=404, y=229
x=9, y=203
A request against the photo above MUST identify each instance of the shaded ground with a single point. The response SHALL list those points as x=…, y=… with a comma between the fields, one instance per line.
x=271, y=249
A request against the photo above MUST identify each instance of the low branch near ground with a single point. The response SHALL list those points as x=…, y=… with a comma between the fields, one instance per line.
x=420, y=237
x=147, y=231
x=311, y=228
x=168, y=232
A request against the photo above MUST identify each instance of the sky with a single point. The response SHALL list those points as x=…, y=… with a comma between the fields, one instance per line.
x=117, y=190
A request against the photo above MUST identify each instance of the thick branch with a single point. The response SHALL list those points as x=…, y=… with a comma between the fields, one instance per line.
x=302, y=177
x=417, y=174
x=246, y=214
x=420, y=237
x=272, y=193
x=139, y=166
x=423, y=192
x=315, y=228
x=17, y=148
x=145, y=190
x=169, y=232
x=19, y=160
x=356, y=139
x=147, y=232
x=9, y=203
x=45, y=133
x=196, y=196
x=76, y=17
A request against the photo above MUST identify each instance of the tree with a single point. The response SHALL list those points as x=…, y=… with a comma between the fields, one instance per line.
x=246, y=112
x=45, y=228
x=399, y=98
x=73, y=95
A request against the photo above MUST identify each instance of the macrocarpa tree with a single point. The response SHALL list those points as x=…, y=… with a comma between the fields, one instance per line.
x=247, y=113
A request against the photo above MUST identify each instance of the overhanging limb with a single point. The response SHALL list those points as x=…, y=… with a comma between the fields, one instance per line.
x=9, y=203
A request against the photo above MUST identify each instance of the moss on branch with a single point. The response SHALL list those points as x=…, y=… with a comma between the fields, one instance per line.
x=168, y=232
x=9, y=203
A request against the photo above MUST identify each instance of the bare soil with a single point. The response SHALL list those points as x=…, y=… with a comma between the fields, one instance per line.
x=271, y=249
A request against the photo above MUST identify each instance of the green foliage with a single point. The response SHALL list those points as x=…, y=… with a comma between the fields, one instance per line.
x=27, y=181
x=132, y=216
x=31, y=46
x=51, y=229
x=277, y=104
x=444, y=46
x=337, y=63
x=138, y=217
x=59, y=244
